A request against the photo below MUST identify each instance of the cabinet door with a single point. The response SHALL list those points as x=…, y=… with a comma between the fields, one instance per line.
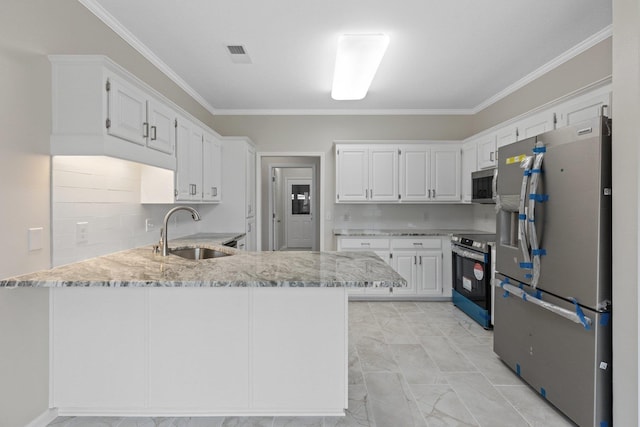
x=198, y=350
x=582, y=109
x=445, y=176
x=196, y=140
x=469, y=165
x=383, y=173
x=404, y=262
x=506, y=136
x=535, y=125
x=162, y=129
x=98, y=355
x=184, y=189
x=415, y=173
x=211, y=168
x=487, y=151
x=127, y=112
x=352, y=173
x=429, y=273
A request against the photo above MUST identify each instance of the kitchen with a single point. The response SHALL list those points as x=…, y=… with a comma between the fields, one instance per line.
x=36, y=29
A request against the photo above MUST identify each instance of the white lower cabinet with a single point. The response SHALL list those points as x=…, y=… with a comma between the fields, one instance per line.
x=98, y=351
x=198, y=351
x=186, y=353
x=420, y=261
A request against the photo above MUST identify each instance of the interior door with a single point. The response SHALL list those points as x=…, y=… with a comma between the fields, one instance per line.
x=299, y=213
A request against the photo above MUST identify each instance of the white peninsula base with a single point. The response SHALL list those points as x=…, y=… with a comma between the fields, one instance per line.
x=198, y=351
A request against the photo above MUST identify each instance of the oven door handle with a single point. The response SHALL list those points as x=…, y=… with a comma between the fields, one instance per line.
x=468, y=254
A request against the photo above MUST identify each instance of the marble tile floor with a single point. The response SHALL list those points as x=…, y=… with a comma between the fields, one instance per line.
x=410, y=364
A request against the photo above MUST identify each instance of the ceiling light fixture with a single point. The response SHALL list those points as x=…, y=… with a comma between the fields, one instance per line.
x=357, y=61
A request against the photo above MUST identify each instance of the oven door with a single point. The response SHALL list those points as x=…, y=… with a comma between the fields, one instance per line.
x=472, y=283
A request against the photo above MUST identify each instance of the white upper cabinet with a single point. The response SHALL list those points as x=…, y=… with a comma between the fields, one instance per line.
x=211, y=168
x=366, y=173
x=583, y=108
x=98, y=108
x=445, y=173
x=506, y=136
x=535, y=125
x=250, y=166
x=415, y=173
x=162, y=127
x=127, y=113
x=199, y=173
x=469, y=164
x=487, y=151
x=405, y=173
x=383, y=173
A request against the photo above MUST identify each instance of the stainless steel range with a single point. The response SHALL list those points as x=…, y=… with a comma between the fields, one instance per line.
x=472, y=273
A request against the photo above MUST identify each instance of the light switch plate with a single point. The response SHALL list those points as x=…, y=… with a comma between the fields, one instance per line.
x=82, y=233
x=35, y=238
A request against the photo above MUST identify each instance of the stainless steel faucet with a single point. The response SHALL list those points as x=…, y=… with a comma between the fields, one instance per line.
x=163, y=231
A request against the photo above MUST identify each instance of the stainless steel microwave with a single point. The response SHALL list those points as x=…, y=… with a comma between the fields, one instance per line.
x=483, y=187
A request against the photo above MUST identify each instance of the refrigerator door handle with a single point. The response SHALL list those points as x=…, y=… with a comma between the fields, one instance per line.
x=534, y=197
x=523, y=228
x=576, y=317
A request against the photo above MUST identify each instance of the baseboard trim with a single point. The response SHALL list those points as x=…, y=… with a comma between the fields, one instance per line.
x=44, y=419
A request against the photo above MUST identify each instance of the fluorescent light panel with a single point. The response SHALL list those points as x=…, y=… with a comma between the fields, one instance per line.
x=357, y=61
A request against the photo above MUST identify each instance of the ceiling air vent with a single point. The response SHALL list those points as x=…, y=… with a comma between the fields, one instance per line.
x=238, y=54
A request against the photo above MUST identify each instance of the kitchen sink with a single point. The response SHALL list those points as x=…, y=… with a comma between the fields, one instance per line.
x=198, y=253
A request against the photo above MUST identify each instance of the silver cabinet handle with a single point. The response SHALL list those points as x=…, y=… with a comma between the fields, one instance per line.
x=145, y=129
x=420, y=259
x=153, y=133
x=417, y=244
x=214, y=191
x=429, y=193
x=434, y=193
x=491, y=156
x=365, y=244
x=415, y=259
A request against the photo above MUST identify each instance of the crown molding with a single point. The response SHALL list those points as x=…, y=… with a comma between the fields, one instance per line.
x=101, y=13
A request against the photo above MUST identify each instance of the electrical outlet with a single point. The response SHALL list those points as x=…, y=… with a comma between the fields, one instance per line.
x=149, y=225
x=82, y=233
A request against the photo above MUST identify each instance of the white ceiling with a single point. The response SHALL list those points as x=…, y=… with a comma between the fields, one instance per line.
x=455, y=56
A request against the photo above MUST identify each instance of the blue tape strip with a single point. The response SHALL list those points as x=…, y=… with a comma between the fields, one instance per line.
x=528, y=276
x=543, y=392
x=539, y=149
x=528, y=265
x=506, y=280
x=520, y=285
x=517, y=369
x=539, y=197
x=524, y=296
x=527, y=172
x=486, y=258
x=604, y=319
x=522, y=217
x=532, y=220
x=580, y=314
x=506, y=294
x=604, y=424
x=540, y=252
x=539, y=294
x=536, y=170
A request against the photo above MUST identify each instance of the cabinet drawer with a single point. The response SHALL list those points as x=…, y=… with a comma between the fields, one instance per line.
x=416, y=244
x=364, y=244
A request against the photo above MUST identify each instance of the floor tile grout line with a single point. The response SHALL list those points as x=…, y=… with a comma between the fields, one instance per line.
x=513, y=406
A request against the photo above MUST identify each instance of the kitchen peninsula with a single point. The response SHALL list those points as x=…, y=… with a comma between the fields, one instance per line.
x=253, y=333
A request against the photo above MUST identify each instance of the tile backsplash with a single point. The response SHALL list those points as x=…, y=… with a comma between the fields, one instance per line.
x=96, y=209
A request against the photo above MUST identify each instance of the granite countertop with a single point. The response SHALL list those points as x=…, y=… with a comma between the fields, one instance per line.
x=142, y=267
x=400, y=232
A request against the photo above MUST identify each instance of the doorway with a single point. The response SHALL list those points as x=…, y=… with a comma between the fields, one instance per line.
x=290, y=203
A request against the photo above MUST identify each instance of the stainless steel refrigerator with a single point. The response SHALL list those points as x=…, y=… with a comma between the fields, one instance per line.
x=553, y=263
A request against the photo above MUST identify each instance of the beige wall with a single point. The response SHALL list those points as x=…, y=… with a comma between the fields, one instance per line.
x=626, y=192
